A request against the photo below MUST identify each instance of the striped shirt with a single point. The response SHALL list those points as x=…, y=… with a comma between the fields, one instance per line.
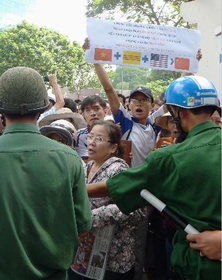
x=81, y=143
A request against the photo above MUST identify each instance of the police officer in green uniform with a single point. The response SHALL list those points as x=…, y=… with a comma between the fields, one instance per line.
x=185, y=176
x=44, y=204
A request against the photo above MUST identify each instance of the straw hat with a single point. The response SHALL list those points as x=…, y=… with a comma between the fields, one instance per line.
x=162, y=121
x=65, y=113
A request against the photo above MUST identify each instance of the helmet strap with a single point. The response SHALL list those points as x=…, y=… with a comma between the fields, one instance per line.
x=176, y=119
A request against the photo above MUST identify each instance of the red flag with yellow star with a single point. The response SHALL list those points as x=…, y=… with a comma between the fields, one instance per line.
x=103, y=54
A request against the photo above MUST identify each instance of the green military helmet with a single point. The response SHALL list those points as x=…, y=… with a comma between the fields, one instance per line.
x=22, y=92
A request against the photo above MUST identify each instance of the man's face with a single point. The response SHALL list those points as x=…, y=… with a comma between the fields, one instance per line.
x=172, y=127
x=140, y=106
x=181, y=123
x=121, y=100
x=93, y=113
x=108, y=109
x=155, y=107
x=215, y=117
x=127, y=103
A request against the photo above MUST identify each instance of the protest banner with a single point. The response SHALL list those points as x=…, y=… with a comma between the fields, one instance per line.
x=143, y=45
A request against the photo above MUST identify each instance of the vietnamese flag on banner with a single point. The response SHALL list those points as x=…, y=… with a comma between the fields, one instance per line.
x=131, y=57
x=103, y=54
x=182, y=63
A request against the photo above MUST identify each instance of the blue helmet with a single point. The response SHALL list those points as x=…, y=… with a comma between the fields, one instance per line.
x=191, y=92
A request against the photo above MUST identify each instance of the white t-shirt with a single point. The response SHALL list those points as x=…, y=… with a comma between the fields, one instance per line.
x=143, y=137
x=51, y=111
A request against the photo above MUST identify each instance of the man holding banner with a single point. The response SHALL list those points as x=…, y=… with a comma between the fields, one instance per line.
x=138, y=126
x=185, y=176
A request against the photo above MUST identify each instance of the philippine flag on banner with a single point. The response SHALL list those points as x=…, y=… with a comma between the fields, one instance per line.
x=131, y=57
x=182, y=63
x=103, y=54
x=159, y=60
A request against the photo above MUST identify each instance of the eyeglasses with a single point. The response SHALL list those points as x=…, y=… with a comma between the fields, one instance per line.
x=136, y=101
x=96, y=139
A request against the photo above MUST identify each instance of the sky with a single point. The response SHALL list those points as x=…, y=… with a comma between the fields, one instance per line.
x=65, y=16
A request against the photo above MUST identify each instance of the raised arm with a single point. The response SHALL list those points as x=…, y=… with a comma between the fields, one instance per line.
x=105, y=82
x=59, y=103
x=108, y=88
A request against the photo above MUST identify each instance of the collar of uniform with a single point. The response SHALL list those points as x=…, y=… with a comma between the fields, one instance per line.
x=137, y=121
x=202, y=127
x=21, y=127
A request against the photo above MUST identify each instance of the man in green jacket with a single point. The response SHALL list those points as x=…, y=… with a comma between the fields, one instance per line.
x=185, y=176
x=44, y=203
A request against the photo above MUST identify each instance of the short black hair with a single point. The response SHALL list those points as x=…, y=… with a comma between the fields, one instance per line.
x=122, y=96
x=78, y=101
x=52, y=101
x=91, y=100
x=71, y=104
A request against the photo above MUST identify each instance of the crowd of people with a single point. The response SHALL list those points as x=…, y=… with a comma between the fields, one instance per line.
x=69, y=178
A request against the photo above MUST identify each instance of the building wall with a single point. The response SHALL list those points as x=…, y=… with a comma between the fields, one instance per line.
x=207, y=16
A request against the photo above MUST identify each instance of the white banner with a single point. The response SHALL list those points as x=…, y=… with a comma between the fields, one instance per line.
x=142, y=45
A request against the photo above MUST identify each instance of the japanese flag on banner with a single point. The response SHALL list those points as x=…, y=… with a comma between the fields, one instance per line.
x=142, y=45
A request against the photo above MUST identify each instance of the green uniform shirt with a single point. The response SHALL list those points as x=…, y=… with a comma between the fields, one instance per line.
x=187, y=178
x=44, y=205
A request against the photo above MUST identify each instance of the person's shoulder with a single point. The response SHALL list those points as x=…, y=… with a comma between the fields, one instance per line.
x=122, y=112
x=70, y=154
x=82, y=131
x=119, y=162
x=51, y=111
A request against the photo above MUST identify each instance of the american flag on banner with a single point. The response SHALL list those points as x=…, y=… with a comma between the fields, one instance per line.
x=159, y=60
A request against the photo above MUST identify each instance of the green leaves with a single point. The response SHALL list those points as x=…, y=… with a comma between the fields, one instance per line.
x=146, y=11
x=128, y=78
x=150, y=11
x=46, y=51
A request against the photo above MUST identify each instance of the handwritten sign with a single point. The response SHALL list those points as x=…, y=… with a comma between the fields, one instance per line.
x=142, y=45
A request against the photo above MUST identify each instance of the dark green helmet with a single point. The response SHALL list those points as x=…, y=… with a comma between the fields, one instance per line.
x=22, y=91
